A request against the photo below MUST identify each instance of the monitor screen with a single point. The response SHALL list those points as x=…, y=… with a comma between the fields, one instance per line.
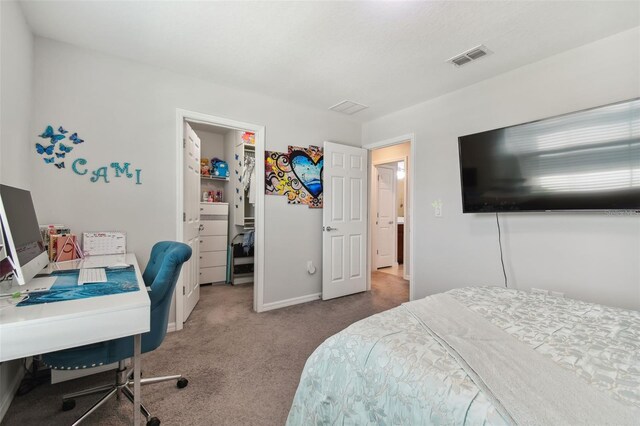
x=587, y=160
x=20, y=226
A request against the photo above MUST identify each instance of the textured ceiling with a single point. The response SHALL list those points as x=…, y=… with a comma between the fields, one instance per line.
x=388, y=55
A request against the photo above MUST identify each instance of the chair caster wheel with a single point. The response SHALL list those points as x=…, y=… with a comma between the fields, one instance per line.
x=68, y=404
x=182, y=383
x=153, y=421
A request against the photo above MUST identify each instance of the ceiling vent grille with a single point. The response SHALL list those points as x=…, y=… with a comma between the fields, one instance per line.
x=348, y=107
x=470, y=55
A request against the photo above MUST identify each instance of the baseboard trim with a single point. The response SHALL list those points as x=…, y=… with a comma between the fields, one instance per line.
x=8, y=394
x=171, y=327
x=290, y=302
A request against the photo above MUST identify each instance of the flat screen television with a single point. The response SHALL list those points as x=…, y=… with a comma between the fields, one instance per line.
x=586, y=160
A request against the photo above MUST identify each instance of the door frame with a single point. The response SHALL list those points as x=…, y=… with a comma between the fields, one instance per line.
x=374, y=195
x=183, y=115
x=410, y=137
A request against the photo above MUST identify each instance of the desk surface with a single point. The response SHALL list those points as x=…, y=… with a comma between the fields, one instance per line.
x=36, y=329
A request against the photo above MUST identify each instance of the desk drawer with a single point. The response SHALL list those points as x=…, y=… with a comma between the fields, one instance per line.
x=216, y=209
x=213, y=243
x=213, y=227
x=213, y=258
x=212, y=275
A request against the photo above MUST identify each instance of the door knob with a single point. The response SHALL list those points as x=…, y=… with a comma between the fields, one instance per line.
x=328, y=228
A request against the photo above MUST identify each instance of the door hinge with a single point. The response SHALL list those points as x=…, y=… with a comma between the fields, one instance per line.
x=184, y=216
x=184, y=291
x=184, y=143
x=377, y=251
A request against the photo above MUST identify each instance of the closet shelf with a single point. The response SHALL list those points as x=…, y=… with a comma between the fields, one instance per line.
x=224, y=179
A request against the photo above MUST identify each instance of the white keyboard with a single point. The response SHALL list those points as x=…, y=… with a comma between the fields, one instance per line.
x=92, y=275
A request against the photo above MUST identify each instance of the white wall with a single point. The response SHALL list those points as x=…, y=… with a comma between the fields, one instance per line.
x=16, y=49
x=127, y=112
x=586, y=255
x=16, y=63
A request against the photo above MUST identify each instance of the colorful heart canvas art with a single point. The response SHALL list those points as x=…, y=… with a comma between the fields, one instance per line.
x=296, y=174
x=309, y=172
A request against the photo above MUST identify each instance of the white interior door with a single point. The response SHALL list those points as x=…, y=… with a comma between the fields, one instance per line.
x=191, y=230
x=385, y=216
x=344, y=240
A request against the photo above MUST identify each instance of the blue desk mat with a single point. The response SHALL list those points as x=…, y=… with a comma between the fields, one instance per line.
x=121, y=280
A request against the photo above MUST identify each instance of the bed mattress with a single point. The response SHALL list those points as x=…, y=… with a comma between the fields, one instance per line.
x=386, y=370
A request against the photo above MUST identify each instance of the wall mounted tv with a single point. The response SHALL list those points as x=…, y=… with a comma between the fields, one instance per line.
x=586, y=160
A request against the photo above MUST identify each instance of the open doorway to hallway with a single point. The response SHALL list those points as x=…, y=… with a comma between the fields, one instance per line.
x=389, y=211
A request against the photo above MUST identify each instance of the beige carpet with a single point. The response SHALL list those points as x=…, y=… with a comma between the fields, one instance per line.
x=243, y=368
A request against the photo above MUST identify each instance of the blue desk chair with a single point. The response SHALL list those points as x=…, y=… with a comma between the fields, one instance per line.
x=161, y=274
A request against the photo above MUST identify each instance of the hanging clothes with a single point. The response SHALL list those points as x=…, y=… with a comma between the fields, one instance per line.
x=252, y=187
x=247, y=173
x=248, y=241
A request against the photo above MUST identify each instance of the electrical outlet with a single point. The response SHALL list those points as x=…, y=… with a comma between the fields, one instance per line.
x=539, y=291
x=311, y=269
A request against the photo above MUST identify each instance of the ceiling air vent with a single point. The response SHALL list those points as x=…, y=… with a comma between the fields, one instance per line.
x=348, y=107
x=470, y=55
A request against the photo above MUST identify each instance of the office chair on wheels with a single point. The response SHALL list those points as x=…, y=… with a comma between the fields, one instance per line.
x=161, y=274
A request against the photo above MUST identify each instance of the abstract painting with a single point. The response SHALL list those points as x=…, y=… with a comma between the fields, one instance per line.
x=297, y=174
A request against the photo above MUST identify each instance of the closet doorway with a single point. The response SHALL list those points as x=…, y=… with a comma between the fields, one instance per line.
x=220, y=206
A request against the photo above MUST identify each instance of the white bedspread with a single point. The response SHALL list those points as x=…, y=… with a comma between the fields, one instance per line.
x=387, y=370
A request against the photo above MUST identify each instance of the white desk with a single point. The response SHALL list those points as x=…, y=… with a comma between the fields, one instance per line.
x=48, y=327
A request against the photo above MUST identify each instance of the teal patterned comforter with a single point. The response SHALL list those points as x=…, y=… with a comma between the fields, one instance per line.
x=388, y=370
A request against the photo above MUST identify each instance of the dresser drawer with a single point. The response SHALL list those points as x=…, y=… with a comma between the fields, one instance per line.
x=212, y=275
x=213, y=227
x=213, y=258
x=213, y=243
x=215, y=209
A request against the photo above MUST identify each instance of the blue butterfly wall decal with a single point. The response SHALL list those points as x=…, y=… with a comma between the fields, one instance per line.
x=64, y=148
x=50, y=149
x=40, y=149
x=75, y=139
x=50, y=134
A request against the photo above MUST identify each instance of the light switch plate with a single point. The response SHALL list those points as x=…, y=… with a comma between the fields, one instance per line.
x=437, y=208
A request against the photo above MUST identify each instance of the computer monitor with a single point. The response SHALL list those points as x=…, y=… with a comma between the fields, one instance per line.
x=22, y=239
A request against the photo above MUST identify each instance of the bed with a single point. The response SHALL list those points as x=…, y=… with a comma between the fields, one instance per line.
x=404, y=366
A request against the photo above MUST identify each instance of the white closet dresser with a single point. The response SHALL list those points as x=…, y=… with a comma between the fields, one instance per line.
x=214, y=220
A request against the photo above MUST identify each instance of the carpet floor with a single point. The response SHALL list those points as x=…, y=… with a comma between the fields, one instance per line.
x=243, y=368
